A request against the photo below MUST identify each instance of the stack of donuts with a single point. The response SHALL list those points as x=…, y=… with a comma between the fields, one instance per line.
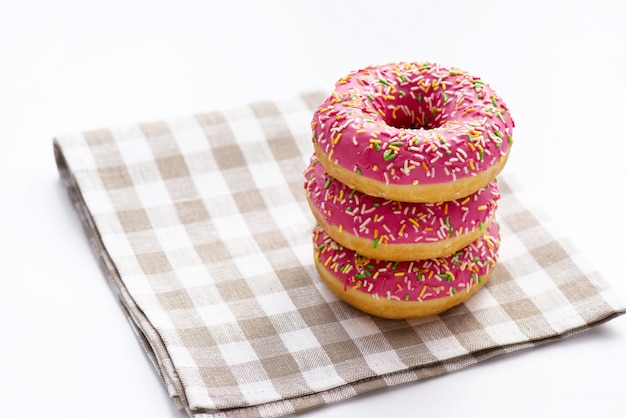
x=403, y=187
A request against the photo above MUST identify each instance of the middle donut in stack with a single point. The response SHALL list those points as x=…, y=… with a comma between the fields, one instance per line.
x=402, y=184
x=392, y=230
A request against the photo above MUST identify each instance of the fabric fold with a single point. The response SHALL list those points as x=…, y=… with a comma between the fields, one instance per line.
x=201, y=227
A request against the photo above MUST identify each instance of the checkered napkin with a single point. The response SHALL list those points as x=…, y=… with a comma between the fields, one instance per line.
x=201, y=226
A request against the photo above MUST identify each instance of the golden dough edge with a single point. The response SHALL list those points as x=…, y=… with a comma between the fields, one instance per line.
x=419, y=193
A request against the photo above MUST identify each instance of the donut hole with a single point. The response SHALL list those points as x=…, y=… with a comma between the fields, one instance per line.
x=426, y=120
x=422, y=111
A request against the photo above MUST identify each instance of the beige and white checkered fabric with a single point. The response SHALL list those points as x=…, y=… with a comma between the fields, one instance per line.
x=202, y=228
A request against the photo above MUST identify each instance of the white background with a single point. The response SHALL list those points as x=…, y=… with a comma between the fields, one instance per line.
x=66, y=350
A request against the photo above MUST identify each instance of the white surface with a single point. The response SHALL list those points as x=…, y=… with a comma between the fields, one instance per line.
x=66, y=350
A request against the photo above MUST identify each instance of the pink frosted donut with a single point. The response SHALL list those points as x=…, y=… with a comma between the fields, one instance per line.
x=392, y=230
x=405, y=289
x=413, y=132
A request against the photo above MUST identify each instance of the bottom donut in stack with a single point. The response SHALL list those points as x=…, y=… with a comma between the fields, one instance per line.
x=401, y=260
x=405, y=289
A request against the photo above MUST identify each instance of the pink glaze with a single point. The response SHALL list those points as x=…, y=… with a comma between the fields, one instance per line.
x=413, y=123
x=386, y=221
x=410, y=280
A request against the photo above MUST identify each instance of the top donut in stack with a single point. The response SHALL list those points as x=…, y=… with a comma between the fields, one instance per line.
x=413, y=132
